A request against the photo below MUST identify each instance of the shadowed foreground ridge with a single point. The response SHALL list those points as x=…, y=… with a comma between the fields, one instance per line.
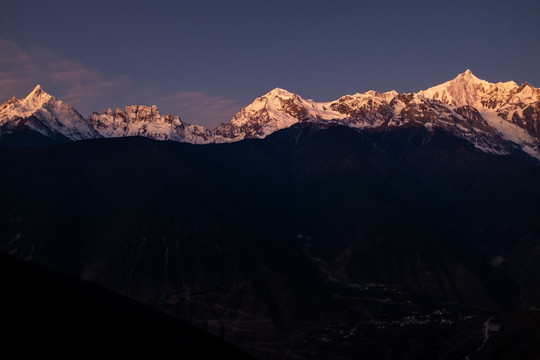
x=318, y=241
x=45, y=313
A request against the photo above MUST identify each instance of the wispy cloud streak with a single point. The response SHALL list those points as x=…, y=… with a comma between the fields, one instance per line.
x=90, y=89
x=197, y=104
x=72, y=81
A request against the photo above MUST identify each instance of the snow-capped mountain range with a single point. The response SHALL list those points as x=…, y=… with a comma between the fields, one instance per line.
x=139, y=120
x=496, y=118
x=46, y=115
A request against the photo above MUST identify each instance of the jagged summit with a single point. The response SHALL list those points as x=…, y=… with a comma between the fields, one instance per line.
x=37, y=98
x=468, y=74
x=43, y=113
x=276, y=110
x=37, y=90
x=12, y=100
x=467, y=78
x=490, y=116
x=141, y=120
x=462, y=90
x=467, y=89
x=279, y=92
x=26, y=106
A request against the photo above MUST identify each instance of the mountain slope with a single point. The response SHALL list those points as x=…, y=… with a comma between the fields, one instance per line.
x=276, y=110
x=510, y=110
x=497, y=118
x=287, y=244
x=64, y=316
x=42, y=113
x=139, y=120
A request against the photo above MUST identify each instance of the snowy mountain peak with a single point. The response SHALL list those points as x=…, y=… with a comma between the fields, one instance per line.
x=141, y=120
x=12, y=100
x=25, y=107
x=36, y=99
x=279, y=92
x=276, y=110
x=43, y=113
x=503, y=109
x=468, y=77
x=527, y=88
x=37, y=90
x=494, y=117
x=468, y=90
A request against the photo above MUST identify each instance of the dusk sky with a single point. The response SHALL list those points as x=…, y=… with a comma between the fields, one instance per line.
x=204, y=60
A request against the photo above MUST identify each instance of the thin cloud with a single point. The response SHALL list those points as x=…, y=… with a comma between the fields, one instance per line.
x=89, y=89
x=196, y=105
x=71, y=81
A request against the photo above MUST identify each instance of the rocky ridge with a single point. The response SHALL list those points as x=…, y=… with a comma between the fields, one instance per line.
x=44, y=114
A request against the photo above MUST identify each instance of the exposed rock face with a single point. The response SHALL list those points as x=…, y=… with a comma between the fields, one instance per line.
x=140, y=120
x=44, y=114
x=510, y=112
x=369, y=109
x=496, y=118
x=276, y=110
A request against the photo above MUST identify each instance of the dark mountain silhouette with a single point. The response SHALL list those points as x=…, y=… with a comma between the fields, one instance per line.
x=45, y=313
x=317, y=240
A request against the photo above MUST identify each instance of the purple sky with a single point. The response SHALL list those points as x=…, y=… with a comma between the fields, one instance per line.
x=204, y=60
